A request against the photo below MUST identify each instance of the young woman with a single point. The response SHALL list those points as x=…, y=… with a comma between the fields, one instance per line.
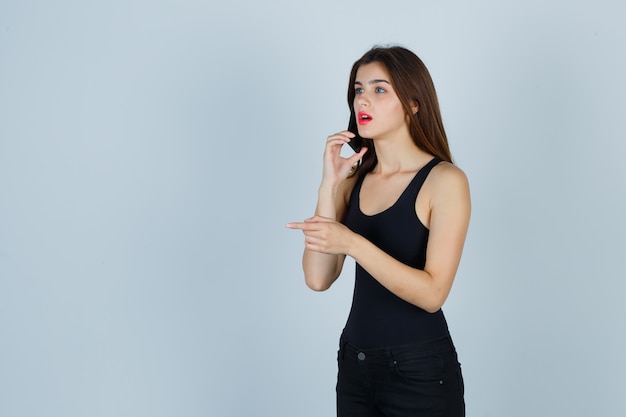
x=401, y=209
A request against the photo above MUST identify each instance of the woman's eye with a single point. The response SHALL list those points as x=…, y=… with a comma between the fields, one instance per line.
x=358, y=90
x=380, y=90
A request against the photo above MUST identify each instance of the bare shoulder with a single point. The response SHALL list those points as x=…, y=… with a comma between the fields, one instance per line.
x=445, y=173
x=448, y=182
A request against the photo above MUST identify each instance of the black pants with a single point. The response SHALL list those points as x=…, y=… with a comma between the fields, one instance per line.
x=421, y=380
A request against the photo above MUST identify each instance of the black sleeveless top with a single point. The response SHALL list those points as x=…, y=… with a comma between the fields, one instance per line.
x=379, y=318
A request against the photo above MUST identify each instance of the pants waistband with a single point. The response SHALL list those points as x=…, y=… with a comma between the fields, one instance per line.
x=439, y=345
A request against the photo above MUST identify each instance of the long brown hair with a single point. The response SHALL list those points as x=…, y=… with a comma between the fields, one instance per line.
x=412, y=82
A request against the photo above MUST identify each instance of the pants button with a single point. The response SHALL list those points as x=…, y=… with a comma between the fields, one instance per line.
x=361, y=356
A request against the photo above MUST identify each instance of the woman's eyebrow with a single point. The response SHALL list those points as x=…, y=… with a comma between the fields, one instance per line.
x=373, y=82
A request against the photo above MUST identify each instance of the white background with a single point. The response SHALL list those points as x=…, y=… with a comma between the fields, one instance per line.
x=152, y=151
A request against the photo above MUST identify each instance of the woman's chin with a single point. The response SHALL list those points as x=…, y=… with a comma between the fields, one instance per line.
x=364, y=132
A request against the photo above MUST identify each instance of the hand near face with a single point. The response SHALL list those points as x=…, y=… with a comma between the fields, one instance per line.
x=324, y=235
x=336, y=167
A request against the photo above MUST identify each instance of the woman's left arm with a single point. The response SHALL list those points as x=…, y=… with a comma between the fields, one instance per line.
x=449, y=220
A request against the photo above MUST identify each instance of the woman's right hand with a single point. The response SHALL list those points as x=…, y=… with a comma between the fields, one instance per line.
x=337, y=168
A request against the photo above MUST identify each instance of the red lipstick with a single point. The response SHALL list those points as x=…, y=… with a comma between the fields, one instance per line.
x=363, y=118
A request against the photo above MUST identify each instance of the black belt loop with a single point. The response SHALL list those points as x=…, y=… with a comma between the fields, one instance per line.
x=342, y=348
x=449, y=338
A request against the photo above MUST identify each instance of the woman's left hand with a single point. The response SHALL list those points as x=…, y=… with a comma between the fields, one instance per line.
x=325, y=235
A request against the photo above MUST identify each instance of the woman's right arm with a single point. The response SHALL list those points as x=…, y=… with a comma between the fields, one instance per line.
x=322, y=269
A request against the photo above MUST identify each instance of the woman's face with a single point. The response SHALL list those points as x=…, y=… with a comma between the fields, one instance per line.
x=379, y=112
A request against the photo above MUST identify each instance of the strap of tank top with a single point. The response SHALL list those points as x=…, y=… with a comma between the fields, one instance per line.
x=416, y=184
x=356, y=190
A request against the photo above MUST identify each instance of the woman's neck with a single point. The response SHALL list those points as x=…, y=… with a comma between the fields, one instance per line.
x=398, y=155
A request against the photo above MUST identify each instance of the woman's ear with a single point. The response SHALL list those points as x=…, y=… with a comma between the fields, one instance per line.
x=415, y=107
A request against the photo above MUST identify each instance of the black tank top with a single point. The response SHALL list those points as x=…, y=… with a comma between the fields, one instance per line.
x=378, y=317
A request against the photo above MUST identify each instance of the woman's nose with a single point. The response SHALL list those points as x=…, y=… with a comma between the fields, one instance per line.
x=362, y=100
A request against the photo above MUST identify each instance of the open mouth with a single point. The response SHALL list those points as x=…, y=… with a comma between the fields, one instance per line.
x=363, y=118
